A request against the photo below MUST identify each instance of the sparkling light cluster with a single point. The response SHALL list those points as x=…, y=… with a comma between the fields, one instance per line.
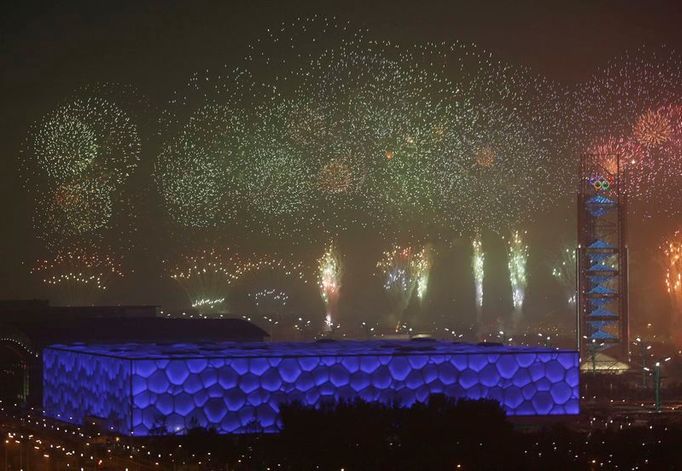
x=207, y=275
x=424, y=272
x=672, y=250
x=564, y=271
x=405, y=270
x=272, y=312
x=78, y=275
x=270, y=301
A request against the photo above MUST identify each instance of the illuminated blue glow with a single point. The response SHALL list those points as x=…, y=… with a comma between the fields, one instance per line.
x=142, y=389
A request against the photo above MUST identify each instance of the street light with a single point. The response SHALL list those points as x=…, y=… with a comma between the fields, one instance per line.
x=643, y=349
x=593, y=347
x=657, y=381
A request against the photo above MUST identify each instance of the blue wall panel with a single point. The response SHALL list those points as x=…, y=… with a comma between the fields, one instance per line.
x=77, y=385
x=242, y=392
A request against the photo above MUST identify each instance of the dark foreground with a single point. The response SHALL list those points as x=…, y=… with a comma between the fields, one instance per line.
x=443, y=434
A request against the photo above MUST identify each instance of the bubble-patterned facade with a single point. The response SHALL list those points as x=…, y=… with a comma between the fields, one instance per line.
x=143, y=389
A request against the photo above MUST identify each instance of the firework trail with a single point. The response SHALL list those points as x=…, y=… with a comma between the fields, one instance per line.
x=672, y=251
x=405, y=271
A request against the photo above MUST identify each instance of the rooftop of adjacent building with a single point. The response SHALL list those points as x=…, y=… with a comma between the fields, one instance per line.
x=326, y=348
x=27, y=310
x=37, y=323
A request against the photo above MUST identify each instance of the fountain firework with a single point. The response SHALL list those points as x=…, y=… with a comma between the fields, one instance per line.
x=517, y=252
x=330, y=271
x=405, y=271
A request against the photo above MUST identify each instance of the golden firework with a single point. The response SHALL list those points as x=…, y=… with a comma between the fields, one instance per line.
x=335, y=177
x=485, y=156
x=653, y=128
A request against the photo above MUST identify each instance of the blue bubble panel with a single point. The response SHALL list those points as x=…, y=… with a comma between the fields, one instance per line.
x=77, y=386
x=144, y=389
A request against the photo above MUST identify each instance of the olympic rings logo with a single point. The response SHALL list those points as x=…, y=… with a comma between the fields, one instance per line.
x=600, y=183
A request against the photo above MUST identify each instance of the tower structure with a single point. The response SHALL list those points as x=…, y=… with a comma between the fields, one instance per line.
x=602, y=261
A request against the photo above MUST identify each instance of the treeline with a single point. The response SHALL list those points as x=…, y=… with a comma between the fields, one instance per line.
x=443, y=434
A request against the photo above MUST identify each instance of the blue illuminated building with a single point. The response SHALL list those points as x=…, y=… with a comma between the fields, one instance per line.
x=142, y=389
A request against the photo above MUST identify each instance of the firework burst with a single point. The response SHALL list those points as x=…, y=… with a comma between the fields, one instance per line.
x=621, y=94
x=279, y=182
x=652, y=129
x=340, y=132
x=336, y=176
x=85, y=137
x=74, y=210
x=198, y=171
x=79, y=156
x=635, y=101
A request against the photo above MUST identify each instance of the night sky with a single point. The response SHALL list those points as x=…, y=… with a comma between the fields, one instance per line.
x=49, y=49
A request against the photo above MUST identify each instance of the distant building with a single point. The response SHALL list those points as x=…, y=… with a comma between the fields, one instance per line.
x=28, y=326
x=33, y=310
